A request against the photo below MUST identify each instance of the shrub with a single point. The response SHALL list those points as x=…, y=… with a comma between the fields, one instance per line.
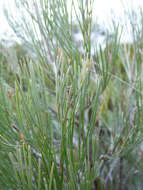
x=70, y=118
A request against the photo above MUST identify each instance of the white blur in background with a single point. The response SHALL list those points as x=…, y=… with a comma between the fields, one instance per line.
x=103, y=11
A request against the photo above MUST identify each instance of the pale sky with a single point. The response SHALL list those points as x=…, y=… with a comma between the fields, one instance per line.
x=102, y=10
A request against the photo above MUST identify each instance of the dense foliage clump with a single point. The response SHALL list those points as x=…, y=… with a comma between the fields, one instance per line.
x=71, y=113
